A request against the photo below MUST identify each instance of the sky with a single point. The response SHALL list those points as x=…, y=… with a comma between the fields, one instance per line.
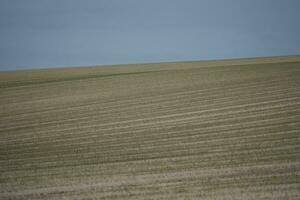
x=55, y=33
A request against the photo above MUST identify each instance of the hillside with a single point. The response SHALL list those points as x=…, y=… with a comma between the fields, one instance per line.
x=226, y=129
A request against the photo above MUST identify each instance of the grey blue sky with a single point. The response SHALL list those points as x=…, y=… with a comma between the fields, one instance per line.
x=52, y=33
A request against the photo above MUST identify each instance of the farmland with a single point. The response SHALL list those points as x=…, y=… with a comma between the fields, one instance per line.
x=226, y=129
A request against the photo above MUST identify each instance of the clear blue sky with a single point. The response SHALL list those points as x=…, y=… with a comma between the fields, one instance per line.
x=52, y=33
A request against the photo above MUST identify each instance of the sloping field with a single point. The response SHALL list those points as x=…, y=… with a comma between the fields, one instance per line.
x=225, y=129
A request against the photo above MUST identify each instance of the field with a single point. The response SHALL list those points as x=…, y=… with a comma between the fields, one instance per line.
x=227, y=129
